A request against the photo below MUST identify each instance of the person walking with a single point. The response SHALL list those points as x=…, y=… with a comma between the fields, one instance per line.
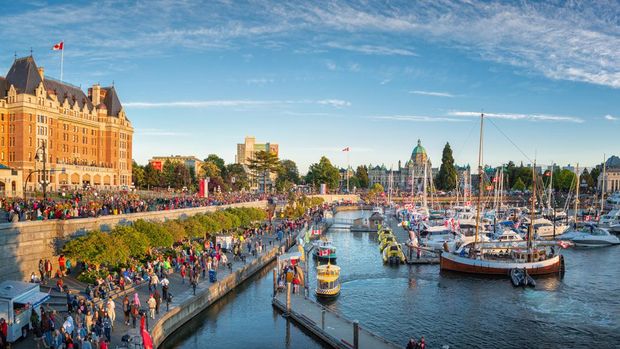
x=152, y=304
x=164, y=287
x=157, y=297
x=134, y=314
x=126, y=310
x=111, y=307
x=107, y=327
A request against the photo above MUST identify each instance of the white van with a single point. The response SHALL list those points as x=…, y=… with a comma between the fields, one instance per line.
x=17, y=302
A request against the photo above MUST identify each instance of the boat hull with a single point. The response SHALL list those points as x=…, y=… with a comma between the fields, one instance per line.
x=452, y=262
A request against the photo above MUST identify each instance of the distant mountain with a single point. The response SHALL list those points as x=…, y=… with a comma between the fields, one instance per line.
x=613, y=162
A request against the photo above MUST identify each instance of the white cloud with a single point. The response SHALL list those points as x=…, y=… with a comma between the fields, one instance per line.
x=259, y=81
x=433, y=94
x=331, y=65
x=417, y=118
x=338, y=103
x=355, y=67
x=512, y=116
x=372, y=49
x=226, y=103
x=611, y=117
x=385, y=81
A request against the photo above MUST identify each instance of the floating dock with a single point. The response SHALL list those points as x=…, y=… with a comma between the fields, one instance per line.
x=333, y=329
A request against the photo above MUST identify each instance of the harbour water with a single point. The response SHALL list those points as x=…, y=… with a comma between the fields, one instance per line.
x=580, y=310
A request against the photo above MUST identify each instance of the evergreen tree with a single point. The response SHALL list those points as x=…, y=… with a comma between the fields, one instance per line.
x=519, y=185
x=263, y=164
x=137, y=175
x=362, y=176
x=323, y=172
x=446, y=178
x=288, y=175
x=152, y=177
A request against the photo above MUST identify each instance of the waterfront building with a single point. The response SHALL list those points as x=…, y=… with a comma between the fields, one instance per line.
x=191, y=162
x=612, y=175
x=403, y=177
x=86, y=139
x=246, y=151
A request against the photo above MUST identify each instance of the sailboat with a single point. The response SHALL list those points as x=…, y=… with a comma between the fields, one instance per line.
x=481, y=258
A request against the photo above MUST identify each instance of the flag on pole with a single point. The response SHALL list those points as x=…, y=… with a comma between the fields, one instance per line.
x=59, y=46
x=346, y=149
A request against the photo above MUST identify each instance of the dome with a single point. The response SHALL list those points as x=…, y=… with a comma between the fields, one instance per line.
x=419, y=153
x=102, y=106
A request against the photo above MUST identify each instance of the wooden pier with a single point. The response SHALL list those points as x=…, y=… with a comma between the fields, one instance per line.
x=330, y=327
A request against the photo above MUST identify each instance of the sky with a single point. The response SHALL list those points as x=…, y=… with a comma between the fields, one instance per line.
x=315, y=77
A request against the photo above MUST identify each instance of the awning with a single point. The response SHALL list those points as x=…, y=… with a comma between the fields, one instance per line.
x=35, y=299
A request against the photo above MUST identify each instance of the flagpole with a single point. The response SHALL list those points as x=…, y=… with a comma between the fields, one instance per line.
x=62, y=59
x=348, y=165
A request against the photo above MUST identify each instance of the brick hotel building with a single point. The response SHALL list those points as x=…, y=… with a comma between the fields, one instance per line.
x=87, y=138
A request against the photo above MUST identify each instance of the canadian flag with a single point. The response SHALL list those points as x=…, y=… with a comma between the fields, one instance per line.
x=59, y=46
x=346, y=149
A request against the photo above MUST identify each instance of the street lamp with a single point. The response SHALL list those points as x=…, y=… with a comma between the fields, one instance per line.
x=44, y=182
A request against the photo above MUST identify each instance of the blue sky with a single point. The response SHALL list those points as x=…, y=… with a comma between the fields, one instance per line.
x=197, y=77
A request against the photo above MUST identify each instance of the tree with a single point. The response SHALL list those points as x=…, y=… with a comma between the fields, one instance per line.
x=167, y=174
x=263, y=164
x=519, y=185
x=446, y=178
x=236, y=177
x=213, y=172
x=361, y=173
x=323, y=172
x=565, y=180
x=288, y=175
x=218, y=161
x=152, y=177
x=595, y=173
x=376, y=190
x=137, y=175
x=587, y=178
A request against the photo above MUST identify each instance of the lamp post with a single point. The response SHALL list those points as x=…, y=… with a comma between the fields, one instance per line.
x=36, y=158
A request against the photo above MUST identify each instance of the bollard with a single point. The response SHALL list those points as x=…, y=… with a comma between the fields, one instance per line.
x=322, y=319
x=275, y=282
x=288, y=298
x=356, y=334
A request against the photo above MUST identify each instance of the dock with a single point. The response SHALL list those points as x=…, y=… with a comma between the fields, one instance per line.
x=333, y=329
x=423, y=260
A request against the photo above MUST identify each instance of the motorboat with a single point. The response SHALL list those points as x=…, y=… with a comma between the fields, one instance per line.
x=520, y=277
x=393, y=254
x=598, y=237
x=611, y=221
x=328, y=281
x=324, y=250
x=387, y=240
x=383, y=233
x=576, y=231
x=544, y=228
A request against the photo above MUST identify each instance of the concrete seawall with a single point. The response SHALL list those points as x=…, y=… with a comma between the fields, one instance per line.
x=22, y=244
x=189, y=305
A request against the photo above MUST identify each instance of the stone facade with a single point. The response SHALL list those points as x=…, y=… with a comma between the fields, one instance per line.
x=87, y=139
x=612, y=180
x=403, y=177
x=189, y=161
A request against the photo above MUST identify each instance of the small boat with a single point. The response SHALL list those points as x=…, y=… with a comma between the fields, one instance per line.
x=386, y=241
x=328, y=282
x=520, y=277
x=325, y=251
x=393, y=254
x=597, y=237
x=383, y=233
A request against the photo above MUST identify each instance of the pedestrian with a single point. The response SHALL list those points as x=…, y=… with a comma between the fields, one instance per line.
x=107, y=327
x=62, y=265
x=42, y=270
x=126, y=310
x=157, y=297
x=111, y=307
x=134, y=314
x=153, y=282
x=136, y=300
x=152, y=303
x=183, y=273
x=422, y=344
x=164, y=287
x=412, y=344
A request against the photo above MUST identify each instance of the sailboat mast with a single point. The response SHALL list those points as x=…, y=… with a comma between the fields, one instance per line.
x=550, y=188
x=576, y=207
x=479, y=179
x=603, y=185
x=425, y=201
x=532, y=215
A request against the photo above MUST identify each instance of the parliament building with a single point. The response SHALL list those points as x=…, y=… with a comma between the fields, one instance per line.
x=87, y=139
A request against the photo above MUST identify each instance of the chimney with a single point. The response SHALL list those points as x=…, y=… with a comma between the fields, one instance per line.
x=42, y=73
x=96, y=95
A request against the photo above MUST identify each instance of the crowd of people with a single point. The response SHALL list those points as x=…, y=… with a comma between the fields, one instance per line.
x=91, y=315
x=89, y=203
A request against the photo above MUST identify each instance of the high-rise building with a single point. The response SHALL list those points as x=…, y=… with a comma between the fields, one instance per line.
x=87, y=139
x=246, y=151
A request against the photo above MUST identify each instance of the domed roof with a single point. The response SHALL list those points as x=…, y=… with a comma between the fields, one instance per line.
x=102, y=106
x=418, y=150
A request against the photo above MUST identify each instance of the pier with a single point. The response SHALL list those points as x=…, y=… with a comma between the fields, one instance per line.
x=332, y=328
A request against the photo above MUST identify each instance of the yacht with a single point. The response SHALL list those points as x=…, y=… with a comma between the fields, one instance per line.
x=611, y=221
x=597, y=237
x=544, y=228
x=614, y=199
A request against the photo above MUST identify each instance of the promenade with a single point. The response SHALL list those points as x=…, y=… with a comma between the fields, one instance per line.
x=182, y=293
